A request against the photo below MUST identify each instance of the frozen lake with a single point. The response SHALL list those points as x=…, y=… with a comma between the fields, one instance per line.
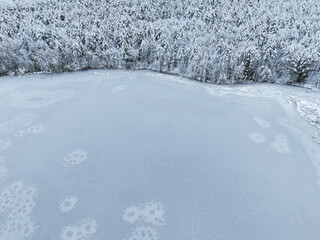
x=137, y=155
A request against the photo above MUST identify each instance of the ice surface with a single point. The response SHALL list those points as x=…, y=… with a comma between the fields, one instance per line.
x=4, y=173
x=39, y=99
x=4, y=144
x=138, y=155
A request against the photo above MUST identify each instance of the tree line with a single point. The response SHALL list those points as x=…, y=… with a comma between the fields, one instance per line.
x=220, y=41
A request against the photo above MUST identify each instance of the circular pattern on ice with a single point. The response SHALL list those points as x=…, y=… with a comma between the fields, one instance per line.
x=40, y=99
x=257, y=137
x=119, y=88
x=261, y=122
x=34, y=129
x=74, y=158
x=281, y=144
x=4, y=144
x=143, y=233
x=80, y=230
x=152, y=213
x=17, y=202
x=68, y=204
x=19, y=121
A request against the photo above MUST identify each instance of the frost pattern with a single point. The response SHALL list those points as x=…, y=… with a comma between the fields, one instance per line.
x=143, y=233
x=17, y=202
x=146, y=217
x=34, y=129
x=68, y=204
x=152, y=213
x=80, y=230
x=74, y=158
x=19, y=121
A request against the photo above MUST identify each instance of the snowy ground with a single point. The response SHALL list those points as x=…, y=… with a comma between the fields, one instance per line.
x=14, y=2
x=145, y=156
x=5, y=3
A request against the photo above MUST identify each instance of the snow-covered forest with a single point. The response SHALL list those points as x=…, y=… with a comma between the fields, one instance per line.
x=221, y=41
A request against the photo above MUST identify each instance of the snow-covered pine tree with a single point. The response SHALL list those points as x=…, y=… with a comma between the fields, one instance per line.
x=210, y=40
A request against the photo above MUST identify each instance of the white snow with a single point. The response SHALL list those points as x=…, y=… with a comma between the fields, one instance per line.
x=140, y=155
x=4, y=3
x=309, y=111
